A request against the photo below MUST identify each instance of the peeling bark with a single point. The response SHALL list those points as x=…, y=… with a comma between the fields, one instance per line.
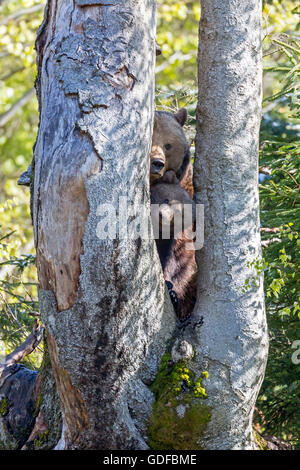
x=103, y=302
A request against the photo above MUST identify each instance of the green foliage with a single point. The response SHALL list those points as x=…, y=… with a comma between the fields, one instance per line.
x=177, y=26
x=256, y=266
x=18, y=293
x=41, y=440
x=279, y=401
x=289, y=49
x=17, y=73
x=262, y=445
x=280, y=16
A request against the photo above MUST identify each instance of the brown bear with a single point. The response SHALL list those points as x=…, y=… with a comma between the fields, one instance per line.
x=170, y=152
x=172, y=187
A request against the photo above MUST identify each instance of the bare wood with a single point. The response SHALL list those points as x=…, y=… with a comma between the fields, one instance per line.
x=266, y=243
x=39, y=429
x=270, y=230
x=265, y=170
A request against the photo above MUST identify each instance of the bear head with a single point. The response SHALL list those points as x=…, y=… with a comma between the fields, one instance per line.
x=170, y=153
x=172, y=203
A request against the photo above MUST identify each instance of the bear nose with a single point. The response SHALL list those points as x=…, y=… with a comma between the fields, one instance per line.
x=157, y=165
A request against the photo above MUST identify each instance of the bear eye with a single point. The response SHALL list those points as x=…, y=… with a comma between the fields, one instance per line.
x=168, y=146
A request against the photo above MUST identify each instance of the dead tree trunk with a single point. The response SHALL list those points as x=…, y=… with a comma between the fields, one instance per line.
x=232, y=342
x=102, y=300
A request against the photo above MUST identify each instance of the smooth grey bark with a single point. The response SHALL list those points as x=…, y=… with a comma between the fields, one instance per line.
x=232, y=341
x=103, y=302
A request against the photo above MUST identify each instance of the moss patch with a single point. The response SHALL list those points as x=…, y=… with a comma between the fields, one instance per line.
x=180, y=415
x=4, y=406
x=41, y=440
x=7, y=441
x=262, y=445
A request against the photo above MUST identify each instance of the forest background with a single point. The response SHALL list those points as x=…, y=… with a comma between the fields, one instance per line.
x=278, y=406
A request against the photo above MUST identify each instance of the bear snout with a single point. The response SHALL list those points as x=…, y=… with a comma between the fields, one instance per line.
x=157, y=165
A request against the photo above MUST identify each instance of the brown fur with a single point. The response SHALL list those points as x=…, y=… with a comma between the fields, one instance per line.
x=167, y=131
x=173, y=185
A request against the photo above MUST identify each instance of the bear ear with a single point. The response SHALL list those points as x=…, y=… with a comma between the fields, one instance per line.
x=181, y=116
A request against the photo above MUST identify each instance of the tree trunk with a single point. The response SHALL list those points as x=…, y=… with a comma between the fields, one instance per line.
x=232, y=342
x=103, y=301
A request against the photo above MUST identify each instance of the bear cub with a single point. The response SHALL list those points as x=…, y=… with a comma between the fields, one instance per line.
x=171, y=187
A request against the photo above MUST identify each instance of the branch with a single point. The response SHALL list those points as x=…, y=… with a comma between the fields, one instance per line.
x=266, y=243
x=265, y=170
x=25, y=177
x=176, y=56
x=289, y=173
x=270, y=230
x=5, y=117
x=26, y=348
x=19, y=13
x=11, y=73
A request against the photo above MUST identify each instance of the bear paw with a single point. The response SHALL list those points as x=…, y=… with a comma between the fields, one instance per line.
x=170, y=177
